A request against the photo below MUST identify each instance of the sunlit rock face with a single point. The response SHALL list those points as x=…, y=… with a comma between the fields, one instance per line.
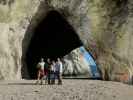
x=75, y=65
x=104, y=27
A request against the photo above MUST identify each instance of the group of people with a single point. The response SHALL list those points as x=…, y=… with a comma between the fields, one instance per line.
x=50, y=70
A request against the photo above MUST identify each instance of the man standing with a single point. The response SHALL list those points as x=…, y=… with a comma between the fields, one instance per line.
x=53, y=72
x=49, y=70
x=40, y=74
x=59, y=70
x=46, y=67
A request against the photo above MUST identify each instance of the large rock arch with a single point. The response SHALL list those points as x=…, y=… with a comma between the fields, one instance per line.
x=53, y=37
x=74, y=18
x=105, y=27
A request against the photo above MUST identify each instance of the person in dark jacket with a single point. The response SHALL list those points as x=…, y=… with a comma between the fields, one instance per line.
x=48, y=70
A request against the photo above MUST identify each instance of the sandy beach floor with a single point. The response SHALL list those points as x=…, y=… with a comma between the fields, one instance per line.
x=70, y=90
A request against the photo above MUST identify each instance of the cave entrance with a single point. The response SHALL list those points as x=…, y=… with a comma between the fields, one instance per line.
x=53, y=37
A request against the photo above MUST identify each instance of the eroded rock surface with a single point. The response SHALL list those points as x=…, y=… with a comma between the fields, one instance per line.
x=105, y=28
x=75, y=63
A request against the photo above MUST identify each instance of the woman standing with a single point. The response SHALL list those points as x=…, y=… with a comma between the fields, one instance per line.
x=53, y=72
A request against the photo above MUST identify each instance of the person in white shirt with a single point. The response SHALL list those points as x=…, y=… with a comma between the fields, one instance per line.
x=40, y=74
x=59, y=70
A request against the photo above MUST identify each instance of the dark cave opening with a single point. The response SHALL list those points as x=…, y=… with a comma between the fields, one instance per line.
x=53, y=37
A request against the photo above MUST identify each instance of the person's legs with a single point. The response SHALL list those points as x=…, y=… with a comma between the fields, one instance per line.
x=49, y=76
x=60, y=78
x=41, y=80
x=46, y=76
x=38, y=77
x=53, y=77
x=42, y=76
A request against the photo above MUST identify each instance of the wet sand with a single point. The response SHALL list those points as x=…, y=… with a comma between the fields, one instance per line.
x=70, y=90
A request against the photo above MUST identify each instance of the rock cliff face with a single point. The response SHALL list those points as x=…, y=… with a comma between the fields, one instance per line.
x=105, y=28
x=76, y=64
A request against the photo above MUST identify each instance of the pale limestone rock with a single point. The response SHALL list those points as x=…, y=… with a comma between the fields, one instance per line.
x=105, y=27
x=76, y=64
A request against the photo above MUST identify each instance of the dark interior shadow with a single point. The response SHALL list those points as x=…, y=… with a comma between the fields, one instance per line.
x=52, y=37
